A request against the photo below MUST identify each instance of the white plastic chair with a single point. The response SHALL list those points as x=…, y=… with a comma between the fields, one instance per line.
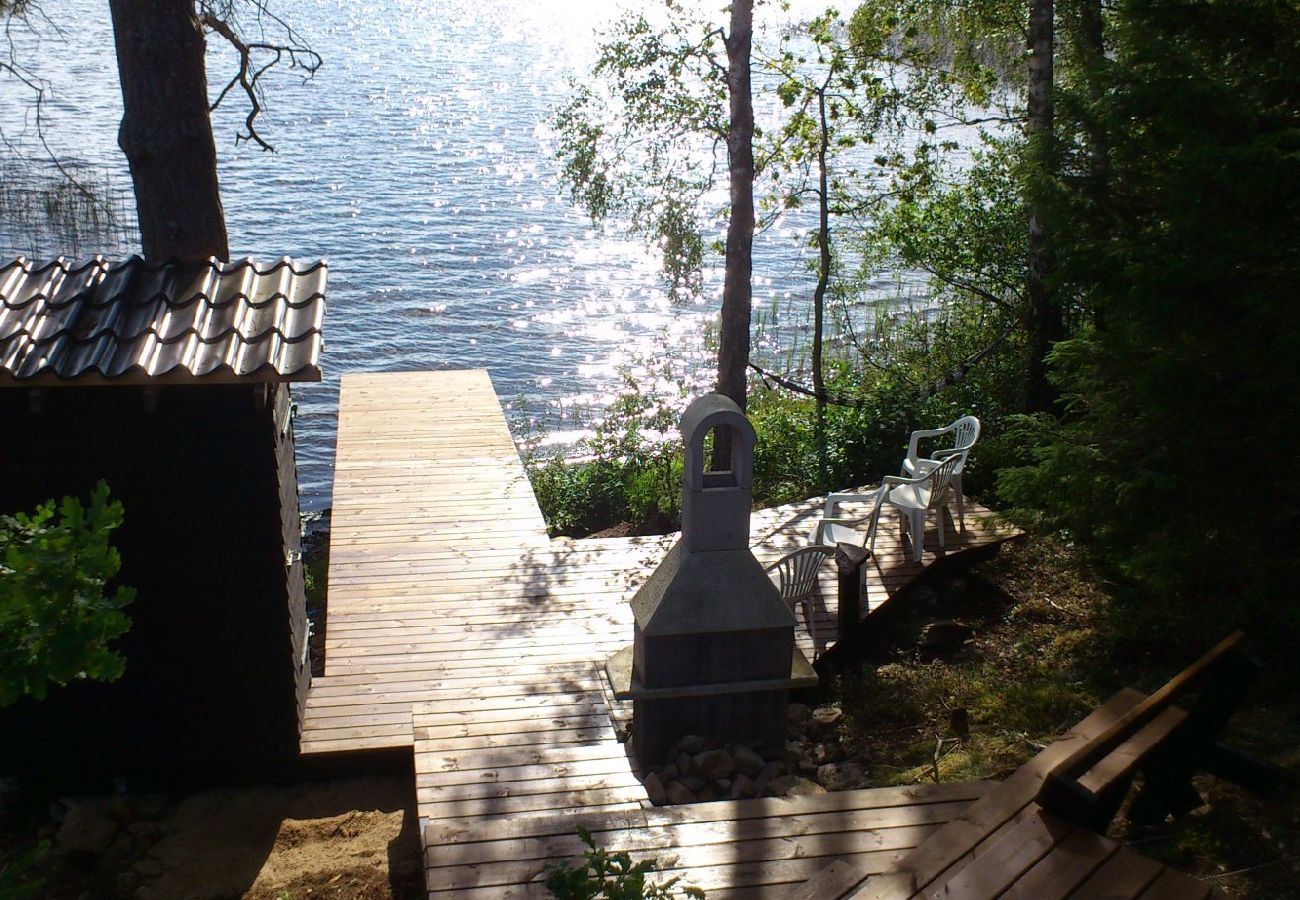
x=916, y=497
x=832, y=528
x=797, y=580
x=964, y=433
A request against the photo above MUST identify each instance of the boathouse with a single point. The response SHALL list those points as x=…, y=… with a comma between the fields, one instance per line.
x=171, y=383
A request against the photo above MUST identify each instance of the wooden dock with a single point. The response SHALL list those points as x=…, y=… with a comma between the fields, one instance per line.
x=458, y=629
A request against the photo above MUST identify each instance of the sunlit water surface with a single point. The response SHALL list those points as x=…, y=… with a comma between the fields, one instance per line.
x=419, y=163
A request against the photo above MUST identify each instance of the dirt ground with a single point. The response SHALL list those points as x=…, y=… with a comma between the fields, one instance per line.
x=355, y=839
x=346, y=839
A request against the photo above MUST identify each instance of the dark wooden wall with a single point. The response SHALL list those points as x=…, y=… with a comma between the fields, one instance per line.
x=215, y=670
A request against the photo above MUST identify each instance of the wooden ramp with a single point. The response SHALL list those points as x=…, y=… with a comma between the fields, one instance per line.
x=739, y=848
x=425, y=474
x=456, y=628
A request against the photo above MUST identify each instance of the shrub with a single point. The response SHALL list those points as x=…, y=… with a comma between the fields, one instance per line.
x=56, y=621
x=612, y=876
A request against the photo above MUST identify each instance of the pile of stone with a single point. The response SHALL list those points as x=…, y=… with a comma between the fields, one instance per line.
x=812, y=762
x=111, y=837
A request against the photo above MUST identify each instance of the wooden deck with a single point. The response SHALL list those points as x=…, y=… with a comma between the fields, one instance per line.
x=457, y=628
x=741, y=848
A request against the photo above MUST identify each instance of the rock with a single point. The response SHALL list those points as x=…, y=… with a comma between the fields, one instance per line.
x=694, y=783
x=655, y=790
x=770, y=771
x=686, y=764
x=723, y=785
x=748, y=761
x=742, y=788
x=808, y=767
x=123, y=849
x=148, y=806
x=826, y=752
x=127, y=882
x=841, y=776
x=797, y=716
x=145, y=828
x=715, y=765
x=680, y=793
x=827, y=716
x=795, y=786
x=144, y=892
x=87, y=829
x=943, y=634
x=149, y=868
x=690, y=744
x=670, y=771
x=795, y=749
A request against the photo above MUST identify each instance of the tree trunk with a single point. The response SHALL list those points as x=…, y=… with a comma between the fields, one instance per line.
x=1090, y=46
x=166, y=132
x=733, y=339
x=823, y=281
x=1045, y=323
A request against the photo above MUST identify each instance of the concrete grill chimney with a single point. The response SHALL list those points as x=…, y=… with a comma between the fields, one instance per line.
x=713, y=648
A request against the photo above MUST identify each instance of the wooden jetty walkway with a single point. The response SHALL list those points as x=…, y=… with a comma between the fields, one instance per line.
x=457, y=628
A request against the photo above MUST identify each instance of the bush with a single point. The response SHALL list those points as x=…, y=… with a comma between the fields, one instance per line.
x=612, y=876
x=629, y=470
x=56, y=621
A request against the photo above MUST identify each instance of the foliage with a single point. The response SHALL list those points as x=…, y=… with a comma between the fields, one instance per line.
x=56, y=622
x=628, y=470
x=18, y=872
x=647, y=148
x=612, y=876
x=1175, y=458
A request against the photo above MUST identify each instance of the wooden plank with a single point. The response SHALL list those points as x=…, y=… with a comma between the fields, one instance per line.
x=677, y=848
x=838, y=878
x=1125, y=874
x=736, y=811
x=648, y=834
x=1069, y=864
x=1140, y=715
x=997, y=868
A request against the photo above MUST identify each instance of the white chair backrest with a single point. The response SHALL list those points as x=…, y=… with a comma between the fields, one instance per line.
x=797, y=572
x=965, y=432
x=941, y=479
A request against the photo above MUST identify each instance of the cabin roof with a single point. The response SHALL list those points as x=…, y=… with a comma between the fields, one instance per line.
x=131, y=321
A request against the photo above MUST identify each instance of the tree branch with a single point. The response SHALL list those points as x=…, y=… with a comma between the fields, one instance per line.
x=249, y=76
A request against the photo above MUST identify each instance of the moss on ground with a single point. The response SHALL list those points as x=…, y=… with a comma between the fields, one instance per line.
x=1045, y=649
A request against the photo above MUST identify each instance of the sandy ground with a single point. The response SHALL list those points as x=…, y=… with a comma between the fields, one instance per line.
x=345, y=839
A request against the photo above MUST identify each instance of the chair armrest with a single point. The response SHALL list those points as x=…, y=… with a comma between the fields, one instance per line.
x=832, y=500
x=899, y=479
x=916, y=437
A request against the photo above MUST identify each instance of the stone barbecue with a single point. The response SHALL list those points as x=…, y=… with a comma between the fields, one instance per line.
x=713, y=648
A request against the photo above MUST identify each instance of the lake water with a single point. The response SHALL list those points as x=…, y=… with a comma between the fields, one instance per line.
x=419, y=163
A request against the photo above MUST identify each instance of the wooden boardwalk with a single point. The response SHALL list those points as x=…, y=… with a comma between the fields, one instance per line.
x=740, y=848
x=457, y=628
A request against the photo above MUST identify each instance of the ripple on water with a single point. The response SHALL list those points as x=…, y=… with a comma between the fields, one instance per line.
x=420, y=163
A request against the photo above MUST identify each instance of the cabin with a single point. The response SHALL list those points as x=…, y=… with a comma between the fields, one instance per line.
x=171, y=383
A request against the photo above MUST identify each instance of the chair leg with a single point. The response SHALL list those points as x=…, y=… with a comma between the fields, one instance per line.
x=961, y=500
x=917, y=524
x=938, y=518
x=810, y=617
